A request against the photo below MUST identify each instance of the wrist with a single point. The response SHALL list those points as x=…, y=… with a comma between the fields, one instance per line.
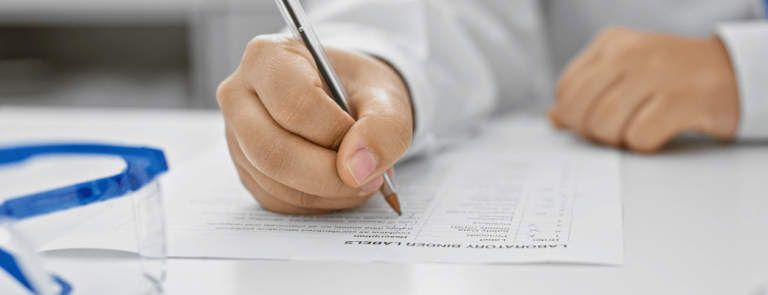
x=726, y=120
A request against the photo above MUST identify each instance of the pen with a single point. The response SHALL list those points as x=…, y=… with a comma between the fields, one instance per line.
x=294, y=15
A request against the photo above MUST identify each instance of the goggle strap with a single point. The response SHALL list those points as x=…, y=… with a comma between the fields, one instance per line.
x=142, y=166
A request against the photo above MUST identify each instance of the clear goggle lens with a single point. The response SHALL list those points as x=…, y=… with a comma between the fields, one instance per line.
x=23, y=268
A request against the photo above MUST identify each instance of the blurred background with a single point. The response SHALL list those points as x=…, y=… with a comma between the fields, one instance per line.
x=124, y=53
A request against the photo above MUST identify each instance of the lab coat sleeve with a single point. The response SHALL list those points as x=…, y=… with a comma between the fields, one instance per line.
x=450, y=82
x=747, y=44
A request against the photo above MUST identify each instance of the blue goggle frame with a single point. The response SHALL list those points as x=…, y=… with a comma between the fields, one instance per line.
x=143, y=165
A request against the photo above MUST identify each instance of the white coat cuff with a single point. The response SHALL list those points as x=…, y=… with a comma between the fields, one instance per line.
x=385, y=46
x=747, y=45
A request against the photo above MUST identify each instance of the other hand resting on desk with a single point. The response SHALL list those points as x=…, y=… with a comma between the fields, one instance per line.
x=638, y=90
x=284, y=130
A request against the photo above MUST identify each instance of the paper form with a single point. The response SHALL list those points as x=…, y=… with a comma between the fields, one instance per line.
x=486, y=201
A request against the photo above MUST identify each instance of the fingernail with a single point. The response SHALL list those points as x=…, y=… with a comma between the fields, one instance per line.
x=362, y=164
x=373, y=184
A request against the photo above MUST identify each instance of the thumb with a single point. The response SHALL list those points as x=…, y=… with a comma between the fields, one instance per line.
x=380, y=137
x=380, y=102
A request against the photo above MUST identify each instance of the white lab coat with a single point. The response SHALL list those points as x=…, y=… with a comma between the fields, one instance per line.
x=465, y=60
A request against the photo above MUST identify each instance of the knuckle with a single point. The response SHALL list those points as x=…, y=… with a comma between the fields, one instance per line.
x=261, y=59
x=258, y=44
x=615, y=29
x=621, y=52
x=618, y=32
x=610, y=33
x=621, y=43
x=256, y=48
x=224, y=91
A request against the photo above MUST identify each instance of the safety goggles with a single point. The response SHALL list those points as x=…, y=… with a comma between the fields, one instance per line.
x=138, y=179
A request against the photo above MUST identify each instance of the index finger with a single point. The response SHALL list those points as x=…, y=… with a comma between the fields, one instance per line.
x=276, y=152
x=286, y=79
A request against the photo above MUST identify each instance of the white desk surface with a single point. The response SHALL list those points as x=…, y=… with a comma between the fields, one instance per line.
x=695, y=222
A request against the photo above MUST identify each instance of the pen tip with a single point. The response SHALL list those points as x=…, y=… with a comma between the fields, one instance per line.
x=394, y=203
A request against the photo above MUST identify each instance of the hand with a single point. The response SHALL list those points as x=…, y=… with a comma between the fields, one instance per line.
x=638, y=90
x=284, y=130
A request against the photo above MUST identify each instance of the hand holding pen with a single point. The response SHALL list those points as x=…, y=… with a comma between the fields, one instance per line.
x=295, y=149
